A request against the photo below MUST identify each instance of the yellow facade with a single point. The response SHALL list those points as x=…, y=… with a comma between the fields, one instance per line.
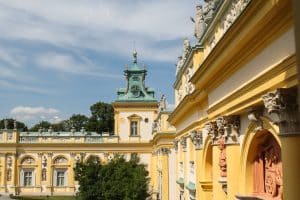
x=234, y=132
x=243, y=98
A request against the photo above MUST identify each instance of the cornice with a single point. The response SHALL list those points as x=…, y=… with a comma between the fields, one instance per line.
x=281, y=75
x=248, y=35
x=186, y=63
x=188, y=101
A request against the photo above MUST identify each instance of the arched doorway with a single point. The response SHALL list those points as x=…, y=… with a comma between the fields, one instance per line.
x=264, y=166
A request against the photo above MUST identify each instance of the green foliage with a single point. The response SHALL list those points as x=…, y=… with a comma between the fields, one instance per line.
x=118, y=179
x=10, y=125
x=101, y=120
x=43, y=124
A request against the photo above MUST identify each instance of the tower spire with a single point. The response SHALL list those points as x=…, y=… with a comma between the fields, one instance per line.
x=134, y=57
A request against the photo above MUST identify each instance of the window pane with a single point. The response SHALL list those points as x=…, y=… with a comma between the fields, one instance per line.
x=60, y=178
x=28, y=178
x=133, y=128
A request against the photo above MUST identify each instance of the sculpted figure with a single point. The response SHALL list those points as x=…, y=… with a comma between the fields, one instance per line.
x=199, y=22
x=179, y=64
x=222, y=158
x=162, y=103
x=209, y=10
x=186, y=47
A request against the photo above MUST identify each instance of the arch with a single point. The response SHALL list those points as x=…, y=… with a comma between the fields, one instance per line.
x=27, y=160
x=60, y=159
x=254, y=146
x=207, y=162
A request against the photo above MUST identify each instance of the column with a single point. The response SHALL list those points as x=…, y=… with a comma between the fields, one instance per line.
x=71, y=181
x=38, y=172
x=183, y=142
x=155, y=175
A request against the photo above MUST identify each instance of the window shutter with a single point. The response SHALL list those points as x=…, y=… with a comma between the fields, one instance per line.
x=54, y=178
x=22, y=177
x=33, y=178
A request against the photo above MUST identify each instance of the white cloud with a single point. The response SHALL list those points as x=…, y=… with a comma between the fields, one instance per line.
x=69, y=64
x=104, y=26
x=29, y=114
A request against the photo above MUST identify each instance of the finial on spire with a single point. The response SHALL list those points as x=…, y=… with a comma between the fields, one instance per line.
x=134, y=57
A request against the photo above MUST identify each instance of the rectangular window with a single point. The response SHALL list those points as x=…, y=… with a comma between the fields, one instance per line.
x=133, y=128
x=60, y=178
x=27, y=178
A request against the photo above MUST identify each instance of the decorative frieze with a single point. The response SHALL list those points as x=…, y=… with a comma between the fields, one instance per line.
x=282, y=106
x=197, y=139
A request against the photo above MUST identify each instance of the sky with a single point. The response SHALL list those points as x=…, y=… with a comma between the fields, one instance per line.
x=58, y=57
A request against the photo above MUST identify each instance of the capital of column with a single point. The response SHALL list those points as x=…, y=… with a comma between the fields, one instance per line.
x=197, y=139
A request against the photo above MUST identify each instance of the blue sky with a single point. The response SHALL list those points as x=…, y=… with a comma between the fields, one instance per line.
x=58, y=57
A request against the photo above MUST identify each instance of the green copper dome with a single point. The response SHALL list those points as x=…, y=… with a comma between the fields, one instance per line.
x=136, y=91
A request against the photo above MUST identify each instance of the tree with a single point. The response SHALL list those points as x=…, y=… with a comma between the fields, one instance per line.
x=10, y=124
x=118, y=179
x=102, y=119
x=77, y=121
x=43, y=124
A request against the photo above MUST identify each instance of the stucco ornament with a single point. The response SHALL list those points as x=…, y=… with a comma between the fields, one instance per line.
x=228, y=127
x=254, y=115
x=222, y=157
x=267, y=171
x=44, y=161
x=175, y=145
x=183, y=143
x=212, y=129
x=197, y=139
x=163, y=103
x=199, y=22
x=282, y=105
x=165, y=151
x=179, y=64
x=154, y=126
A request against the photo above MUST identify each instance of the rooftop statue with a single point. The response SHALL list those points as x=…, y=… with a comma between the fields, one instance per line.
x=209, y=10
x=186, y=47
x=179, y=64
x=199, y=22
x=162, y=103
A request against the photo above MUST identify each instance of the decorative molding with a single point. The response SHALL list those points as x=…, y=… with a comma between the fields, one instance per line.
x=183, y=142
x=254, y=114
x=164, y=151
x=212, y=130
x=282, y=105
x=197, y=139
x=228, y=127
x=175, y=145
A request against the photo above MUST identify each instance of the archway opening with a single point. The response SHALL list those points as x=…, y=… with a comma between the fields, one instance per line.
x=264, y=167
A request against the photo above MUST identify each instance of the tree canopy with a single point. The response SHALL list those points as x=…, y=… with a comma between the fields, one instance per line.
x=101, y=120
x=118, y=179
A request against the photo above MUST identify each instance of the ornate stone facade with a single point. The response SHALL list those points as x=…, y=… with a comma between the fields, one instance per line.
x=282, y=105
x=197, y=139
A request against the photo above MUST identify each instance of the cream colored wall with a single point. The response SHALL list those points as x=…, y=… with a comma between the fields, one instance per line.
x=145, y=128
x=192, y=116
x=277, y=51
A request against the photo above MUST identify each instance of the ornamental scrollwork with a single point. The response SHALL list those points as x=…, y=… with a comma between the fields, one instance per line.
x=282, y=106
x=197, y=139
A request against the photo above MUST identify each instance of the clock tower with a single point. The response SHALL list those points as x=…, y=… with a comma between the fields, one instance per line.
x=135, y=107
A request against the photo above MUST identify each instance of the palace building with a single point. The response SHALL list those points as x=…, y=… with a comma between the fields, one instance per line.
x=41, y=163
x=234, y=132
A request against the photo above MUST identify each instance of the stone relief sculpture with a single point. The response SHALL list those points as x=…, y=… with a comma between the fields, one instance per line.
x=44, y=174
x=199, y=22
x=9, y=161
x=162, y=103
x=8, y=175
x=267, y=171
x=179, y=64
x=44, y=161
x=222, y=158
